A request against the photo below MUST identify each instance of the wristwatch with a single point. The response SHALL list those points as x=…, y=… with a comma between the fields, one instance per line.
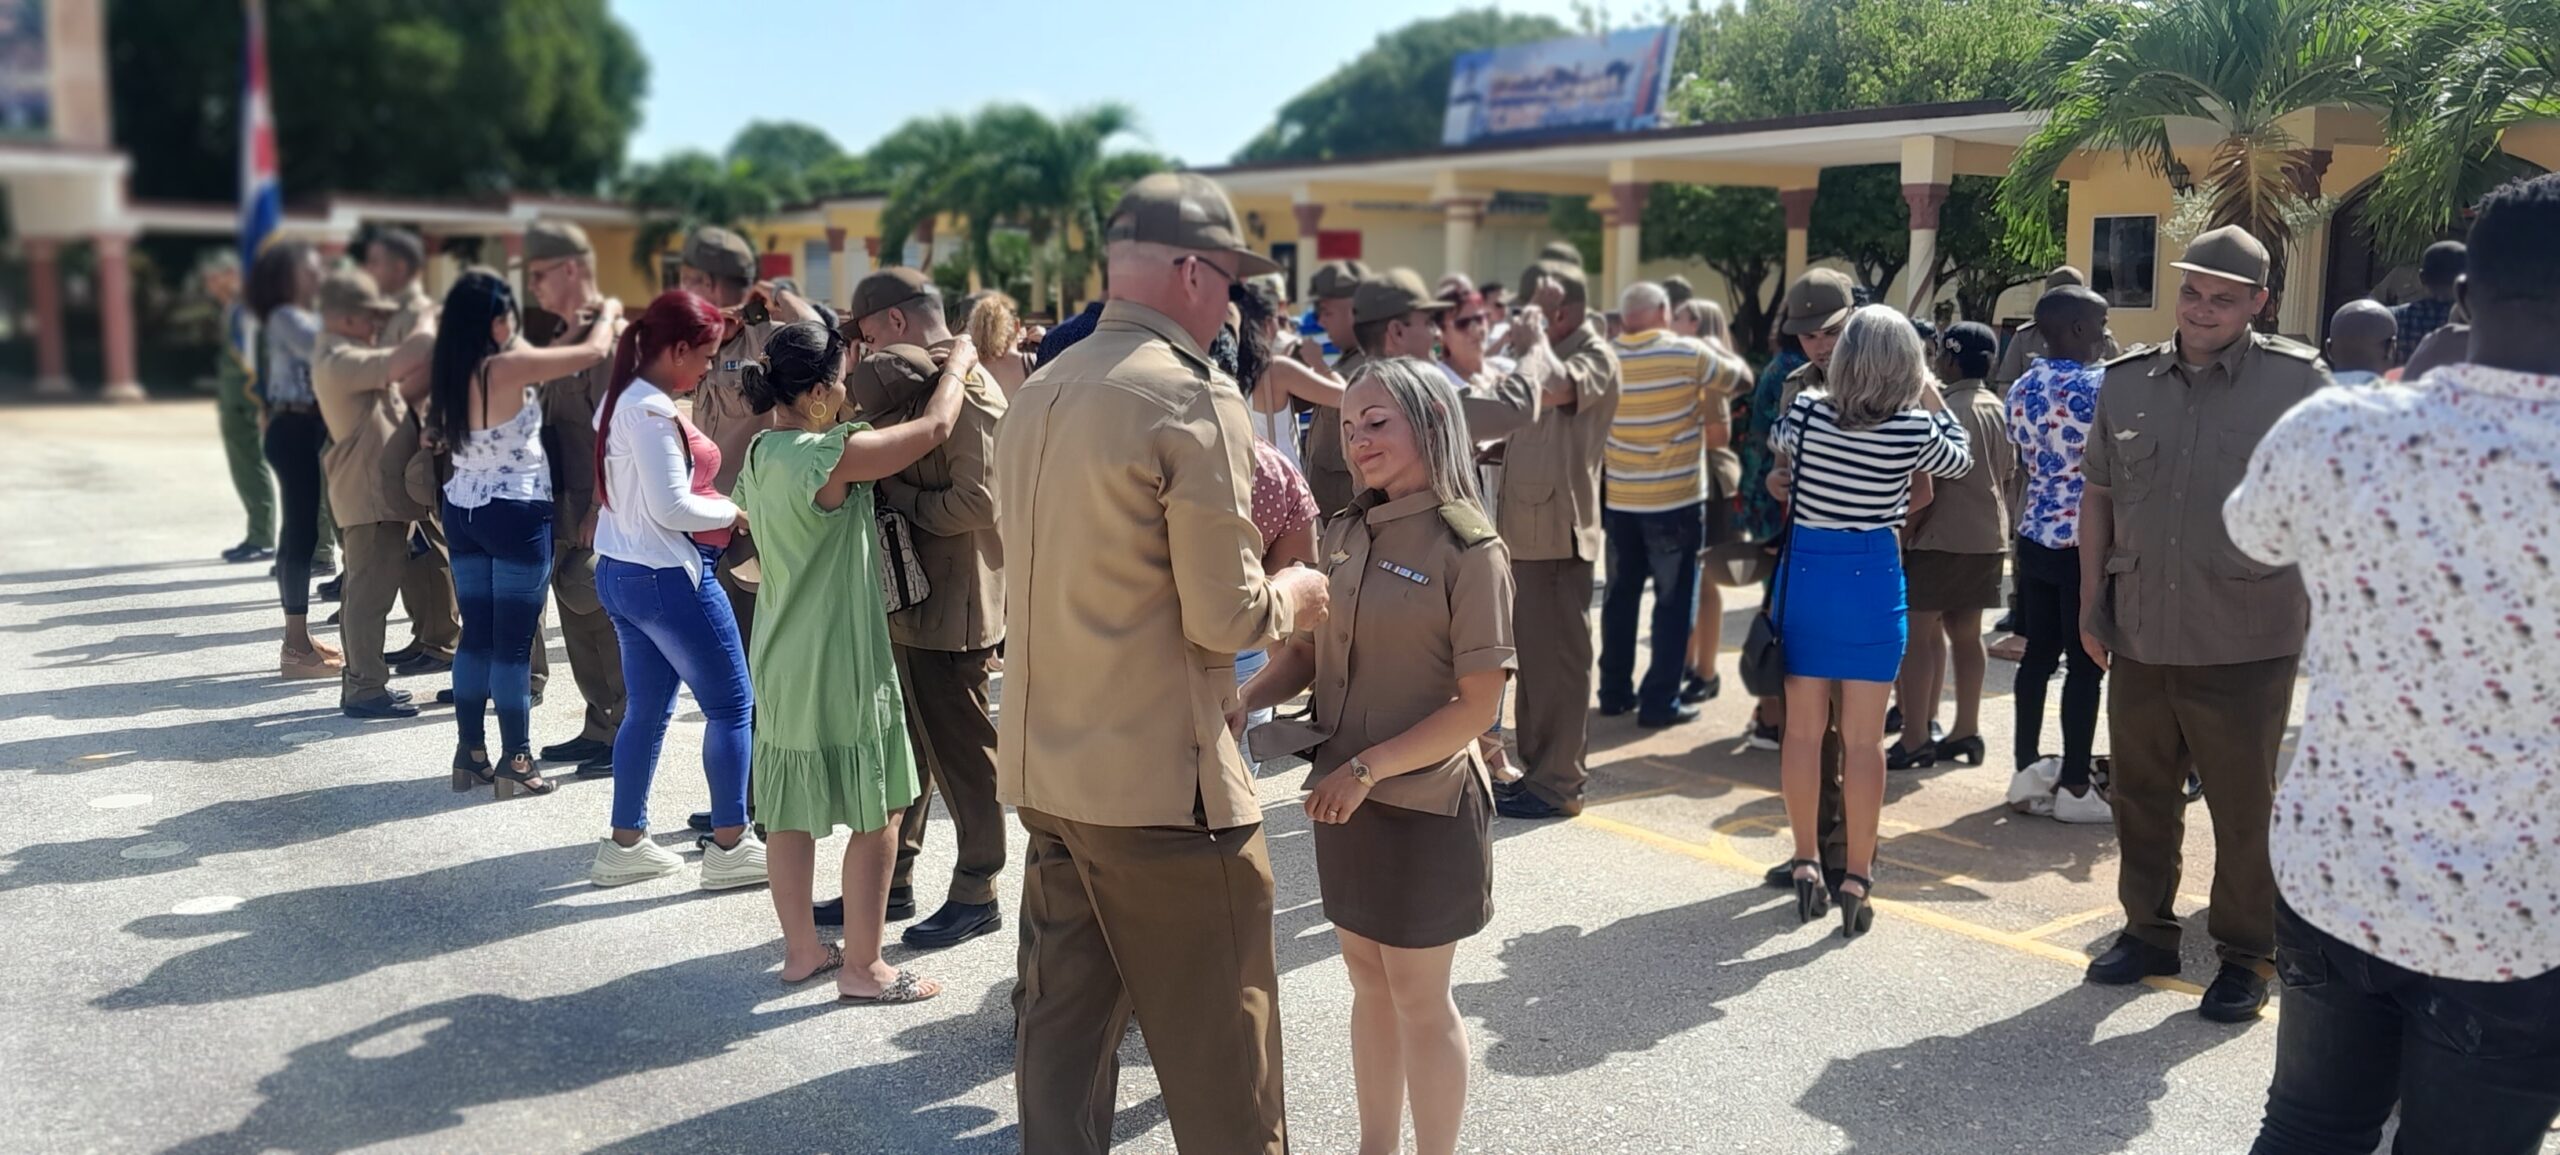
x=1360, y=773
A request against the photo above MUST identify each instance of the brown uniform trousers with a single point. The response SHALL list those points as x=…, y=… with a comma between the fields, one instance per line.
x=376, y=557
x=2227, y=724
x=1551, y=625
x=1166, y=923
x=595, y=656
x=426, y=591
x=954, y=735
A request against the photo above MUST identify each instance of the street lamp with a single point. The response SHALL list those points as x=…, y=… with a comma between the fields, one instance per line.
x=2181, y=181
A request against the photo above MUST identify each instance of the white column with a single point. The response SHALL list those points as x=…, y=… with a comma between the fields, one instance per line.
x=1459, y=218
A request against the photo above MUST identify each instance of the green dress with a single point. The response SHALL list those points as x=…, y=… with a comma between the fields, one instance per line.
x=831, y=727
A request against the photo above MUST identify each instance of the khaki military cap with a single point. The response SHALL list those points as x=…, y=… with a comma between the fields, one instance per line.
x=552, y=240
x=351, y=290
x=721, y=253
x=2063, y=276
x=1186, y=211
x=1678, y=289
x=1336, y=280
x=889, y=379
x=1577, y=290
x=1818, y=300
x=2228, y=252
x=886, y=289
x=1562, y=252
x=1392, y=294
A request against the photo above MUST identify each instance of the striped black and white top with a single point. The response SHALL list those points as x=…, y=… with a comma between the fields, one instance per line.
x=1861, y=479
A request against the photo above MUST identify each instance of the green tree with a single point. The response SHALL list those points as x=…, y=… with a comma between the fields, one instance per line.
x=1739, y=232
x=687, y=190
x=1980, y=258
x=1860, y=217
x=1771, y=58
x=926, y=166
x=431, y=98
x=1394, y=96
x=2464, y=72
x=782, y=148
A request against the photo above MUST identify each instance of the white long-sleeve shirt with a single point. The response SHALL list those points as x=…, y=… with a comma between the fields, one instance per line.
x=649, y=505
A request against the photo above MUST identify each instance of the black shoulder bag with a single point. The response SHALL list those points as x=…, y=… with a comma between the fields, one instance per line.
x=1764, y=651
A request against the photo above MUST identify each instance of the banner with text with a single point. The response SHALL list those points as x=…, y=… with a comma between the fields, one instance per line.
x=1580, y=86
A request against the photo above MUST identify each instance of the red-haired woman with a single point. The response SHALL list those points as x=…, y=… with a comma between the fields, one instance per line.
x=659, y=534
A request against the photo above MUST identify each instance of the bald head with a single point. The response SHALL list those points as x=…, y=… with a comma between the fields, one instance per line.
x=2362, y=335
x=2074, y=323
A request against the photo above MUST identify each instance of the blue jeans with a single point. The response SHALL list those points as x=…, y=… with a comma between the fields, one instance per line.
x=676, y=624
x=1661, y=548
x=501, y=569
x=2474, y=1067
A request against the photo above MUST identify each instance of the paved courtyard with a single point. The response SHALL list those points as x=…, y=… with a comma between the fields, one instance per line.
x=239, y=922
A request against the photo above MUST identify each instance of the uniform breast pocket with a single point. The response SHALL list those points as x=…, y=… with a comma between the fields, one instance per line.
x=2137, y=466
x=2254, y=600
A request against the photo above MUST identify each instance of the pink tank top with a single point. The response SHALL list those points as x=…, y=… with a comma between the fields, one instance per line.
x=704, y=455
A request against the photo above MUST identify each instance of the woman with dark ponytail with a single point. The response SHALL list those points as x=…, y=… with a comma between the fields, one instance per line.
x=831, y=736
x=659, y=535
x=497, y=512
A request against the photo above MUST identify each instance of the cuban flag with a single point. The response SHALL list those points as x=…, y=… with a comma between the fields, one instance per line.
x=261, y=191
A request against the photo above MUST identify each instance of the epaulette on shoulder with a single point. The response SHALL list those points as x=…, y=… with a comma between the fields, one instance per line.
x=1468, y=522
x=2136, y=353
x=2288, y=347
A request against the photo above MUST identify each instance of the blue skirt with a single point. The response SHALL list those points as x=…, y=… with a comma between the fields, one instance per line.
x=1841, y=607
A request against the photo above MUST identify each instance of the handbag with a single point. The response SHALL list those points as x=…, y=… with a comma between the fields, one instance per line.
x=902, y=581
x=1764, y=650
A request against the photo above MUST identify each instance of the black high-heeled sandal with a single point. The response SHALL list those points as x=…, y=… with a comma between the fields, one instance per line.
x=1966, y=751
x=1898, y=757
x=470, y=773
x=1813, y=899
x=1856, y=914
x=520, y=775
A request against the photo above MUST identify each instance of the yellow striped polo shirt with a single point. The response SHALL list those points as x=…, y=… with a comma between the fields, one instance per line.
x=1670, y=387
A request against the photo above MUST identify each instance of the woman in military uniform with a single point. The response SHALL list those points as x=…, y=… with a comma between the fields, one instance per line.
x=1407, y=670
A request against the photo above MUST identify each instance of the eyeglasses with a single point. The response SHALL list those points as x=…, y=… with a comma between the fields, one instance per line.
x=1473, y=323
x=1206, y=263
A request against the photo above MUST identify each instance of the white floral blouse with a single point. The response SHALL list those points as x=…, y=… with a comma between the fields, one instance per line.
x=502, y=461
x=2420, y=821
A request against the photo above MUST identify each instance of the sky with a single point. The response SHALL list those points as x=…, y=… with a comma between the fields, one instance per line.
x=1204, y=76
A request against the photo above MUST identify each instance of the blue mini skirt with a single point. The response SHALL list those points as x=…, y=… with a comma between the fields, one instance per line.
x=1841, y=605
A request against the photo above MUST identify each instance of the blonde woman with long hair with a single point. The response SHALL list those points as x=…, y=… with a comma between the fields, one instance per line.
x=995, y=327
x=1408, y=670
x=1703, y=319
x=1849, y=453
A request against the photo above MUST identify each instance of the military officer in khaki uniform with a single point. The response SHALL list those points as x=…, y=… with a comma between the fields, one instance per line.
x=1333, y=285
x=720, y=267
x=1549, y=513
x=2027, y=344
x=395, y=258
x=2200, y=640
x=1394, y=315
x=372, y=435
x=1133, y=578
x=945, y=645
x=560, y=276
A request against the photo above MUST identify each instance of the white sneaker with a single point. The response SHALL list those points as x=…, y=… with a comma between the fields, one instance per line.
x=2031, y=788
x=740, y=865
x=1760, y=737
x=2083, y=809
x=618, y=865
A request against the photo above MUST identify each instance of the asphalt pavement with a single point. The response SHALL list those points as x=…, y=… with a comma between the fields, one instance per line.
x=240, y=922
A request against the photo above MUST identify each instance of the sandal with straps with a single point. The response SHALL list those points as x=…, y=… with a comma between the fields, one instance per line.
x=520, y=776
x=470, y=772
x=906, y=988
x=1856, y=913
x=833, y=961
x=1813, y=899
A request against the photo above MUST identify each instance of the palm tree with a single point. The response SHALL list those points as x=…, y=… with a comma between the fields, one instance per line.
x=1080, y=182
x=2470, y=69
x=927, y=166
x=2114, y=77
x=687, y=190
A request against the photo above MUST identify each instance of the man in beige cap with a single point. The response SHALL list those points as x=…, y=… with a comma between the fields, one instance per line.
x=395, y=257
x=1549, y=514
x=371, y=438
x=945, y=645
x=2026, y=344
x=560, y=277
x=1393, y=315
x=1561, y=253
x=720, y=267
x=1333, y=285
x=2199, y=640
x=1134, y=579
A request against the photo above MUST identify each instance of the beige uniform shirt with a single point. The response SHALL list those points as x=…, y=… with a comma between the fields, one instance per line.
x=1421, y=598
x=2169, y=445
x=2025, y=346
x=949, y=498
x=415, y=305
x=1328, y=471
x=1969, y=514
x=1550, y=503
x=720, y=409
x=371, y=435
x=1134, y=577
x=569, y=437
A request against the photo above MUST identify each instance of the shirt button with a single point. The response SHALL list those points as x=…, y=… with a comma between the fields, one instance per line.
x=2173, y=585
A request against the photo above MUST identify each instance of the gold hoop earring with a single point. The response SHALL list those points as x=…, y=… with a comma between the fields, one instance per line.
x=817, y=413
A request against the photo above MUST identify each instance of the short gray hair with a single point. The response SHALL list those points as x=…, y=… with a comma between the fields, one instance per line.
x=1430, y=405
x=1644, y=295
x=1878, y=369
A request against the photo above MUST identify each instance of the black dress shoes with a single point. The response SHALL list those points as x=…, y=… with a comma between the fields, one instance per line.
x=577, y=750
x=600, y=766
x=955, y=923
x=382, y=707
x=1680, y=714
x=1527, y=805
x=2132, y=960
x=2236, y=996
x=247, y=551
x=330, y=589
x=700, y=822
x=1695, y=690
x=1612, y=707
x=407, y=653
x=418, y=664
x=902, y=906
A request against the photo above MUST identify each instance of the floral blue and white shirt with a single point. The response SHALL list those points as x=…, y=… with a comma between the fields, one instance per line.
x=2050, y=410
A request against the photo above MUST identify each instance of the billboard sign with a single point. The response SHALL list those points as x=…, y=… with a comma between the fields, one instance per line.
x=1587, y=84
x=26, y=73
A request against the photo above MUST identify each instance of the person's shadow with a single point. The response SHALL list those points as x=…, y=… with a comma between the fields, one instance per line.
x=2042, y=1080
x=227, y=827
x=1562, y=1003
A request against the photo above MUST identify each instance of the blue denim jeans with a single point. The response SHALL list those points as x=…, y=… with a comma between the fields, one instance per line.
x=675, y=624
x=1661, y=548
x=2473, y=1067
x=501, y=569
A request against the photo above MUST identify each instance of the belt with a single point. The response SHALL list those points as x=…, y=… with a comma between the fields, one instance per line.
x=293, y=407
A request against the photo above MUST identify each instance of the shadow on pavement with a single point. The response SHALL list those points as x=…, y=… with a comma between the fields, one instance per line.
x=92, y=573
x=127, y=699
x=208, y=741
x=95, y=619
x=152, y=645
x=99, y=593
x=1998, y=1087
x=240, y=825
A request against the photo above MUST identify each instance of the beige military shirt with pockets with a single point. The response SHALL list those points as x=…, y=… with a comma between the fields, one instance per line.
x=2169, y=444
x=948, y=497
x=1421, y=598
x=569, y=437
x=1550, y=502
x=415, y=305
x=720, y=408
x=1969, y=514
x=1133, y=578
x=371, y=437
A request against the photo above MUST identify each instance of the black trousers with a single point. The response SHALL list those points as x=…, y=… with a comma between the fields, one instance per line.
x=2048, y=598
x=2473, y=1067
x=294, y=442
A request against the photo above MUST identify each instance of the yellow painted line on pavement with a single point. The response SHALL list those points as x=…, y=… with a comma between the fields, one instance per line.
x=2068, y=921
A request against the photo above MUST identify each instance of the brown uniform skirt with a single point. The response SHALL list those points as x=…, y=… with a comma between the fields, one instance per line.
x=1408, y=878
x=1942, y=582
